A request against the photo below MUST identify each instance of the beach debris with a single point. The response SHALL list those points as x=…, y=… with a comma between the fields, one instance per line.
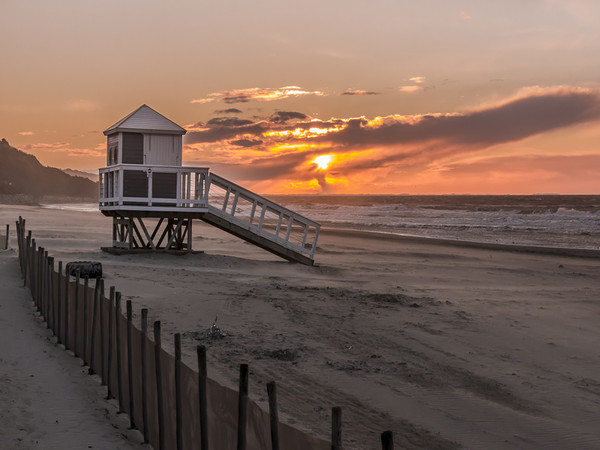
x=214, y=332
x=89, y=269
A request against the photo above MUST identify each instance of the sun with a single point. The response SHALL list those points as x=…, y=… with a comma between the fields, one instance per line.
x=323, y=161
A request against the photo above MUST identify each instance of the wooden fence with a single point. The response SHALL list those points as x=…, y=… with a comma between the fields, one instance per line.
x=172, y=405
x=4, y=239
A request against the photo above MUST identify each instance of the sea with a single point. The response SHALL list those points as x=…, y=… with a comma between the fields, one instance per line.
x=561, y=221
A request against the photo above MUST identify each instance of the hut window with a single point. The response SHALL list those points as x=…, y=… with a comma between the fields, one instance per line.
x=133, y=148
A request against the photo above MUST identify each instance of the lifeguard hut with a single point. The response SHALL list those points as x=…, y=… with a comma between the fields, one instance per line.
x=153, y=199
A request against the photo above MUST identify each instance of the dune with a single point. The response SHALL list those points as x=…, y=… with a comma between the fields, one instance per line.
x=444, y=345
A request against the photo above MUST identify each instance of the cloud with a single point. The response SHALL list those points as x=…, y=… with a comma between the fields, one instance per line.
x=228, y=111
x=410, y=88
x=464, y=15
x=64, y=147
x=228, y=122
x=258, y=94
x=418, y=80
x=359, y=92
x=516, y=119
x=26, y=133
x=224, y=132
x=285, y=116
x=282, y=145
x=247, y=142
x=46, y=146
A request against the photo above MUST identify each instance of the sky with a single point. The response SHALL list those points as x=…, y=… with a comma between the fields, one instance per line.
x=308, y=97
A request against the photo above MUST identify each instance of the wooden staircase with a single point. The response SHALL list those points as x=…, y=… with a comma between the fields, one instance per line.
x=260, y=221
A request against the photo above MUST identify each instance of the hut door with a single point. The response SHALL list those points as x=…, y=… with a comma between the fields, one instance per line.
x=133, y=148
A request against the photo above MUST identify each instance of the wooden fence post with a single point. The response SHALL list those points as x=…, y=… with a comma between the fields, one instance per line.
x=130, y=364
x=145, y=374
x=242, y=407
x=33, y=255
x=39, y=278
x=102, y=334
x=110, y=342
x=76, y=324
x=118, y=347
x=336, y=428
x=86, y=286
x=159, y=392
x=59, y=304
x=273, y=415
x=178, y=407
x=202, y=374
x=50, y=290
x=387, y=440
x=28, y=260
x=44, y=295
x=67, y=283
x=92, y=364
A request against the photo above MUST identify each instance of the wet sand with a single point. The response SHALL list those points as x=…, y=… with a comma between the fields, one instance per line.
x=445, y=345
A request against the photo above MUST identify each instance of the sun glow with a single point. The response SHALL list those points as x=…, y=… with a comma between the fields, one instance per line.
x=323, y=161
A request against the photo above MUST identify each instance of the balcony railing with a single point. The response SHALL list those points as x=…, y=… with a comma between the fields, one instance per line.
x=157, y=188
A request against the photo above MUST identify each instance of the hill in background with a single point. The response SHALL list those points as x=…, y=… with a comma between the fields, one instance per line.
x=80, y=173
x=24, y=180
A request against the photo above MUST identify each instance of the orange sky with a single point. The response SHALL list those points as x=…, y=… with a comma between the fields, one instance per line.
x=338, y=97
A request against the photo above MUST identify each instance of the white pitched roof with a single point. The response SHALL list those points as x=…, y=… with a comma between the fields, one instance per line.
x=145, y=119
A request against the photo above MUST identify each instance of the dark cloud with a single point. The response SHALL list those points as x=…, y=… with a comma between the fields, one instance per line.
x=512, y=121
x=237, y=98
x=247, y=142
x=228, y=122
x=359, y=92
x=219, y=133
x=284, y=116
x=228, y=111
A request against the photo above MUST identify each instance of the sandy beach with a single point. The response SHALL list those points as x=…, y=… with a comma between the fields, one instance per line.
x=447, y=346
